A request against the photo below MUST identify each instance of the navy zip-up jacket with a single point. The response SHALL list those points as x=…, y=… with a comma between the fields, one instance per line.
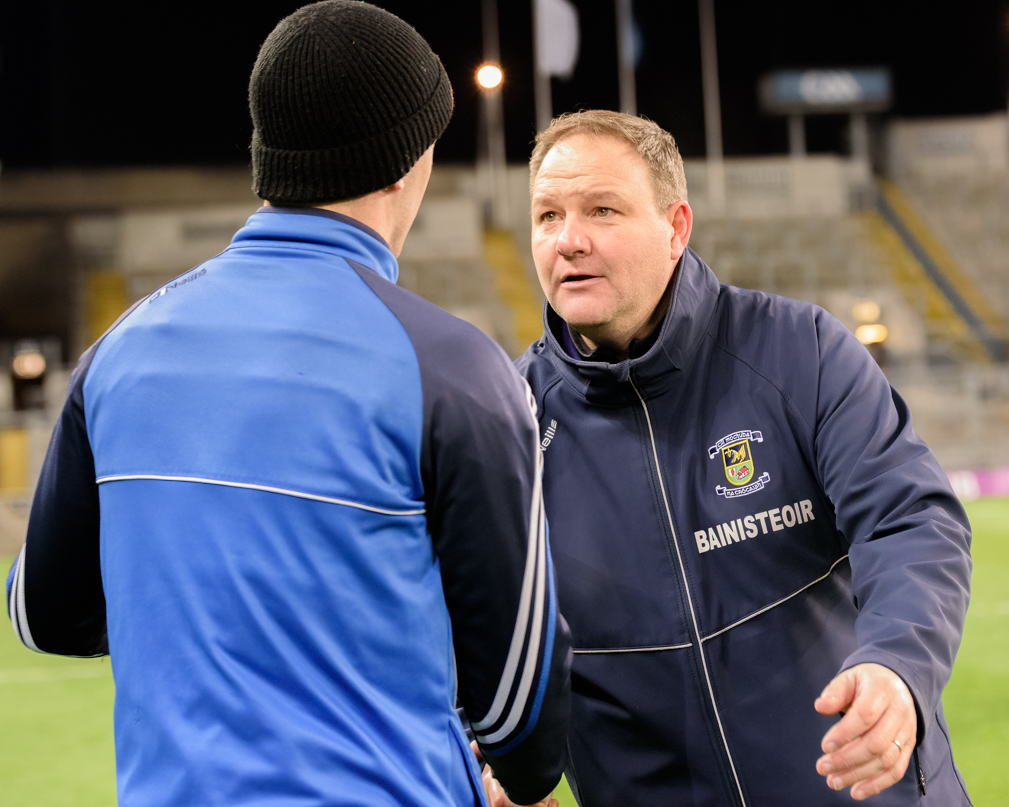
x=291, y=500
x=737, y=516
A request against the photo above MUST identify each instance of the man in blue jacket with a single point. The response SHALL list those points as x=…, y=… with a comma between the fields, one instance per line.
x=294, y=502
x=749, y=537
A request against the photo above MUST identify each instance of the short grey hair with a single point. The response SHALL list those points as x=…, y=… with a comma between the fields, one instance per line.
x=653, y=143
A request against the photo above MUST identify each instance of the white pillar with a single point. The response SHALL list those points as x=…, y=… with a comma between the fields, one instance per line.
x=797, y=136
x=859, y=137
x=712, y=109
x=494, y=185
x=625, y=57
x=541, y=78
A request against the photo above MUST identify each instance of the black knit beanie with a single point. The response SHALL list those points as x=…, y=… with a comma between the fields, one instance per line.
x=345, y=98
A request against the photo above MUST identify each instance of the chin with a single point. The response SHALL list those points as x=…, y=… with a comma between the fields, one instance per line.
x=579, y=315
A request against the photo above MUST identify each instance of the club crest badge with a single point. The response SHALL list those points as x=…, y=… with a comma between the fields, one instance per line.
x=737, y=460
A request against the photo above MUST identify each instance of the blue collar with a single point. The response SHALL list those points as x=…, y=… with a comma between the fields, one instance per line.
x=331, y=231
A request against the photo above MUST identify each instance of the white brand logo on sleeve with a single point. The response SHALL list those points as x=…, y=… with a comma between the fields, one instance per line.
x=548, y=435
x=739, y=529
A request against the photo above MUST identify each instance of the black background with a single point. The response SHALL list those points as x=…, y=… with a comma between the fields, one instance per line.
x=116, y=83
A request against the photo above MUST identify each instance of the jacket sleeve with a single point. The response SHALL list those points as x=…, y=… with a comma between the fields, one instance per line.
x=908, y=534
x=482, y=471
x=55, y=598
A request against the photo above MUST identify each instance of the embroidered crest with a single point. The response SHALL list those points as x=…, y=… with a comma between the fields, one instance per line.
x=737, y=460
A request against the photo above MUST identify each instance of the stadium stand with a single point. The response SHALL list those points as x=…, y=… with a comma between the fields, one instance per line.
x=819, y=228
x=969, y=215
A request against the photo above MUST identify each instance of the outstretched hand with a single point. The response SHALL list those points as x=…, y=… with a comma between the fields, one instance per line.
x=496, y=797
x=869, y=748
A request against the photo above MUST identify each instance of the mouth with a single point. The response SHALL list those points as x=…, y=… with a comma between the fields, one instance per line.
x=576, y=279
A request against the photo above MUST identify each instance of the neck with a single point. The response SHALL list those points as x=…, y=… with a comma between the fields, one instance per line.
x=374, y=210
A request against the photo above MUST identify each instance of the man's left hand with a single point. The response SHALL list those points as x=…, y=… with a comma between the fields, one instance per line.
x=869, y=748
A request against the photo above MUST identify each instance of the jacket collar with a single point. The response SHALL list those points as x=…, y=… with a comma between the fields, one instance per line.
x=333, y=232
x=695, y=291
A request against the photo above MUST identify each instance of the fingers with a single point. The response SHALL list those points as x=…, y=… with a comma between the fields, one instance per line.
x=869, y=748
x=837, y=695
x=870, y=787
x=866, y=709
x=882, y=745
x=496, y=797
x=881, y=763
x=867, y=692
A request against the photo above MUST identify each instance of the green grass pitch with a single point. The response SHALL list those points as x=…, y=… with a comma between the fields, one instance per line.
x=56, y=736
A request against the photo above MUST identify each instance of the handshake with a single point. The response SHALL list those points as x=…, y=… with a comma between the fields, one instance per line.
x=496, y=797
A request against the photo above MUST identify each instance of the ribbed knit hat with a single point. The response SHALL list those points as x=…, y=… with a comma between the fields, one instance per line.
x=345, y=98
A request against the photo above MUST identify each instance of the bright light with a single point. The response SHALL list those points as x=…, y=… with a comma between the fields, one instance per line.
x=489, y=76
x=871, y=334
x=866, y=311
x=28, y=365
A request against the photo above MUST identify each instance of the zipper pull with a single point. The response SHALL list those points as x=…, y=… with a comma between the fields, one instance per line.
x=921, y=773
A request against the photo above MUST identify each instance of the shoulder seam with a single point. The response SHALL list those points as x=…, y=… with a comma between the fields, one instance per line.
x=784, y=395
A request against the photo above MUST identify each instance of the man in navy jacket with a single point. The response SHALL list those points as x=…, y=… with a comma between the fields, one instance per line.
x=750, y=539
x=299, y=506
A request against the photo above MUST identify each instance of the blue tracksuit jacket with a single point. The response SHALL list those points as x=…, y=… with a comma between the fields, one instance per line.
x=293, y=501
x=737, y=516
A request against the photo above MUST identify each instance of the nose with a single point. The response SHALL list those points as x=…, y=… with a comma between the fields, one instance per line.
x=572, y=239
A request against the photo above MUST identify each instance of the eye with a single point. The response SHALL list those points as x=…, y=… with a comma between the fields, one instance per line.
x=604, y=212
x=549, y=216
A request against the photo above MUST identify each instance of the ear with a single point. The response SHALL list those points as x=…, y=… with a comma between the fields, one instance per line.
x=681, y=221
x=396, y=186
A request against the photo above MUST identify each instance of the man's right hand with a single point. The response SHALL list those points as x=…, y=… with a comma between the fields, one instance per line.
x=496, y=797
x=869, y=749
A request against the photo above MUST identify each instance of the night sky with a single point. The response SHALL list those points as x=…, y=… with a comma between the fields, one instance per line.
x=116, y=83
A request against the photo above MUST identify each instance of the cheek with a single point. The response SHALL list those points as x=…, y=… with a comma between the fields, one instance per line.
x=544, y=258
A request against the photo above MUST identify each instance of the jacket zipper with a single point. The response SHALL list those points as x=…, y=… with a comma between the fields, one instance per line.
x=686, y=589
x=919, y=771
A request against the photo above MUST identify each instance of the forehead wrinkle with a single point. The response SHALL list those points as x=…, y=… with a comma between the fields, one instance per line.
x=583, y=186
x=580, y=165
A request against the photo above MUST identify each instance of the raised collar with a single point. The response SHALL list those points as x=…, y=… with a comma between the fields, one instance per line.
x=695, y=291
x=331, y=231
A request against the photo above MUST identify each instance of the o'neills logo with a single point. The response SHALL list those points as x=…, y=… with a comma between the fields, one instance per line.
x=739, y=529
x=737, y=459
x=165, y=289
x=548, y=435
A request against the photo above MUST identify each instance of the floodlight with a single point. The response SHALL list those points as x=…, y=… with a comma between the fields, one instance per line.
x=489, y=76
x=866, y=311
x=871, y=334
x=28, y=365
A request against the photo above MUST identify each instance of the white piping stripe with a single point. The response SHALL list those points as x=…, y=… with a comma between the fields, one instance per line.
x=533, y=649
x=635, y=649
x=775, y=604
x=283, y=491
x=24, y=632
x=12, y=596
x=522, y=618
x=690, y=601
